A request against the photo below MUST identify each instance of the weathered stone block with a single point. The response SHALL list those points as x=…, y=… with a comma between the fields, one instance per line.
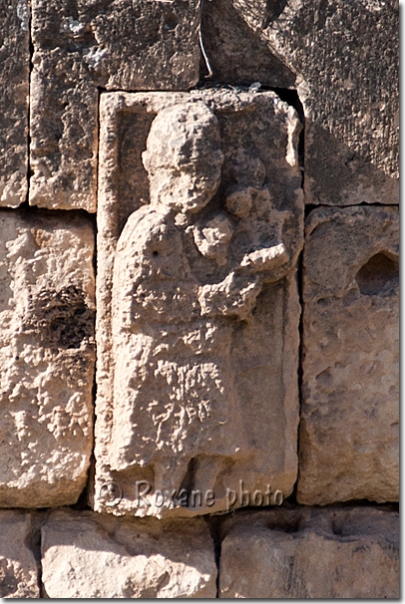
x=342, y=58
x=91, y=556
x=114, y=44
x=303, y=553
x=349, y=426
x=18, y=567
x=46, y=357
x=14, y=96
x=197, y=301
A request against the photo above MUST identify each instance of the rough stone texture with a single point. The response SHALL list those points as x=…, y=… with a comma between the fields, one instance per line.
x=304, y=553
x=350, y=415
x=18, y=567
x=80, y=47
x=197, y=301
x=342, y=58
x=46, y=358
x=85, y=555
x=14, y=95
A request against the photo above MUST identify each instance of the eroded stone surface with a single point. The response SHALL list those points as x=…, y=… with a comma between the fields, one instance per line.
x=46, y=358
x=116, y=44
x=304, y=553
x=349, y=427
x=342, y=58
x=197, y=303
x=85, y=555
x=14, y=95
x=18, y=567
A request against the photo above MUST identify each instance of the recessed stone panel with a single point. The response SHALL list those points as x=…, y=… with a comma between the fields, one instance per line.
x=200, y=227
x=349, y=425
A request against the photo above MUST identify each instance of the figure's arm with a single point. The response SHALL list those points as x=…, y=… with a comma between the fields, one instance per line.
x=133, y=266
x=234, y=296
x=269, y=262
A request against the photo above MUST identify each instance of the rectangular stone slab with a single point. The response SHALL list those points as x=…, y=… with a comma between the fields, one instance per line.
x=86, y=555
x=349, y=422
x=19, y=572
x=85, y=47
x=14, y=97
x=47, y=358
x=311, y=553
x=239, y=371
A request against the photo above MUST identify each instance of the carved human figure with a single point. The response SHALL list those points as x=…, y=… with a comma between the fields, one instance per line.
x=174, y=393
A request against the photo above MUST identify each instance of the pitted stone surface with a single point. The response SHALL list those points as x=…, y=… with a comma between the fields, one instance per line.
x=14, y=98
x=342, y=58
x=18, y=567
x=350, y=416
x=47, y=358
x=86, y=555
x=197, y=301
x=304, y=553
x=113, y=45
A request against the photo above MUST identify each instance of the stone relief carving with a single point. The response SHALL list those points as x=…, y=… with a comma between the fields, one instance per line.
x=188, y=270
x=174, y=391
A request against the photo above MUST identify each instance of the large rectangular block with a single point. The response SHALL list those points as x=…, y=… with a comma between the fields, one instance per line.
x=342, y=59
x=46, y=357
x=19, y=571
x=14, y=97
x=86, y=555
x=311, y=553
x=80, y=48
x=200, y=226
x=350, y=417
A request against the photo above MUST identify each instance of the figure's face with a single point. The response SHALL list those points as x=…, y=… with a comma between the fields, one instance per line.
x=183, y=157
x=185, y=190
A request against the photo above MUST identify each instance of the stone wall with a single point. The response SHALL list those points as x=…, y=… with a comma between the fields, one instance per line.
x=199, y=299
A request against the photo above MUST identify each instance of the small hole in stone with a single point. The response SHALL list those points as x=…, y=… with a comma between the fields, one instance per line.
x=337, y=527
x=171, y=21
x=380, y=273
x=155, y=253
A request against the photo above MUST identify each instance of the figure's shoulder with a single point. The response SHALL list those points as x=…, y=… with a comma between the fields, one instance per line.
x=146, y=213
x=139, y=226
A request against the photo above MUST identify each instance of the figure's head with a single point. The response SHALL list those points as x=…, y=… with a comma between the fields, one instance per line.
x=183, y=157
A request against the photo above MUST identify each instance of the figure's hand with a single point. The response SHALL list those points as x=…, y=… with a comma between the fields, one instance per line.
x=266, y=259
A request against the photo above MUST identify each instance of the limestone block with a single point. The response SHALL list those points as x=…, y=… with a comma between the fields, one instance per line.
x=199, y=229
x=46, y=358
x=14, y=94
x=311, y=553
x=85, y=555
x=18, y=567
x=237, y=51
x=342, y=58
x=80, y=48
x=349, y=426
